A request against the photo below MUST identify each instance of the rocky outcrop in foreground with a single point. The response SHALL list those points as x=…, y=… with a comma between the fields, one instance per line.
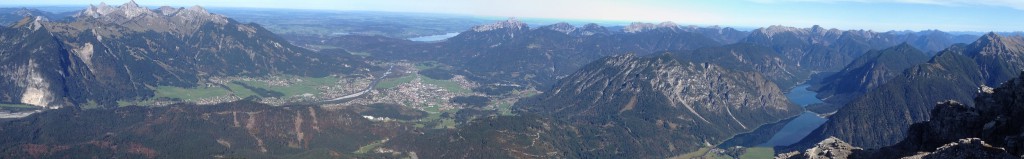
x=993, y=128
x=828, y=148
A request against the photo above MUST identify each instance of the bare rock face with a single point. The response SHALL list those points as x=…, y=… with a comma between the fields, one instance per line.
x=511, y=23
x=637, y=27
x=112, y=21
x=592, y=29
x=966, y=148
x=831, y=148
x=562, y=27
x=33, y=66
x=109, y=53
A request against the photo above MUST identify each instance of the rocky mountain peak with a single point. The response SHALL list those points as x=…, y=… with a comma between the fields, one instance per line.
x=133, y=17
x=994, y=44
x=713, y=27
x=817, y=28
x=592, y=29
x=511, y=23
x=130, y=4
x=773, y=30
x=167, y=10
x=903, y=47
x=132, y=10
x=667, y=24
x=198, y=9
x=30, y=22
x=966, y=148
x=637, y=27
x=25, y=12
x=831, y=147
x=102, y=5
x=561, y=27
x=128, y=10
x=863, y=33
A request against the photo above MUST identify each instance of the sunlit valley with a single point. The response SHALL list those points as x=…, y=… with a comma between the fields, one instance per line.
x=342, y=79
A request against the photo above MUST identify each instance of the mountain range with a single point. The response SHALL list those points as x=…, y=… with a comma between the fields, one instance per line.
x=511, y=50
x=867, y=72
x=643, y=90
x=879, y=117
x=991, y=128
x=109, y=53
x=646, y=107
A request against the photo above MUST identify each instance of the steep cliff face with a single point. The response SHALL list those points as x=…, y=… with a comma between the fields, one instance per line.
x=109, y=53
x=667, y=102
x=879, y=117
x=35, y=68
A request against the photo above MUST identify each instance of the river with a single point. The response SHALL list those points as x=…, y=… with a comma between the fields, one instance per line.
x=349, y=97
x=800, y=127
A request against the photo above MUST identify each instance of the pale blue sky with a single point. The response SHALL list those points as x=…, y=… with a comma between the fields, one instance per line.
x=880, y=15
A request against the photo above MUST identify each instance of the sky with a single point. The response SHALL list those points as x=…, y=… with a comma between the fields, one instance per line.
x=878, y=15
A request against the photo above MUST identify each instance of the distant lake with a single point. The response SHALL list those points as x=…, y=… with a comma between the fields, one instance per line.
x=434, y=37
x=803, y=97
x=801, y=126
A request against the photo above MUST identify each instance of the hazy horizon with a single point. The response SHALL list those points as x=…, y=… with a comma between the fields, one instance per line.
x=876, y=15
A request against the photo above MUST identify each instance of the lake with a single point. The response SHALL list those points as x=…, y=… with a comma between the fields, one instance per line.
x=801, y=126
x=803, y=97
x=431, y=38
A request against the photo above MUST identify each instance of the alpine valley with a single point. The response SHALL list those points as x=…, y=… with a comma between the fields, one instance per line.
x=132, y=81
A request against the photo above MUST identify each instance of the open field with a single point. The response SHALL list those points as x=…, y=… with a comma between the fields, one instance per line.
x=370, y=147
x=189, y=94
x=758, y=152
x=302, y=86
x=394, y=82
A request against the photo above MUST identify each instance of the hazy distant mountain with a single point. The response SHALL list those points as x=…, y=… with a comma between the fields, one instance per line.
x=820, y=49
x=725, y=35
x=933, y=41
x=300, y=25
x=510, y=50
x=880, y=116
x=9, y=16
x=868, y=71
x=109, y=53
